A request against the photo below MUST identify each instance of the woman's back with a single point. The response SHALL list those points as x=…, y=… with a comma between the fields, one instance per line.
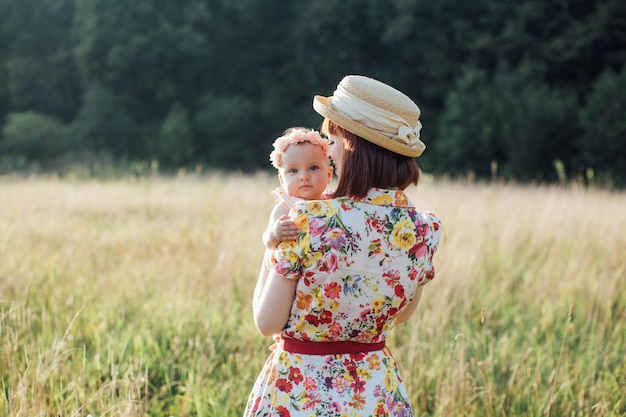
x=360, y=262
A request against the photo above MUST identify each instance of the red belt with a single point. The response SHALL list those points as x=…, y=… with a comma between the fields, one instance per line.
x=327, y=348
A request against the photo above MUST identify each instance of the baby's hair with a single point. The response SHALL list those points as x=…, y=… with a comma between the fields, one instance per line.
x=292, y=136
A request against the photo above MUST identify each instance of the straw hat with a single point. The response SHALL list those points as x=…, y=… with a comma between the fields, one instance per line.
x=375, y=112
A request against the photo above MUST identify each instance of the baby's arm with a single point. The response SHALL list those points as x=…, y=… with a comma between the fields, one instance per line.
x=280, y=227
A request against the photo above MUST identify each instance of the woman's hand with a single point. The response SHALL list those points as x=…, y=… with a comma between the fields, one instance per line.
x=410, y=309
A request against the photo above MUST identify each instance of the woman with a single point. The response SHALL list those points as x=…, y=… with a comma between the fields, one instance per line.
x=355, y=271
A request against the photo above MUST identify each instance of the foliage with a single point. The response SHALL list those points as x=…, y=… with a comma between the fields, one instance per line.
x=271, y=57
x=176, y=140
x=226, y=133
x=32, y=137
x=41, y=73
x=511, y=125
x=604, y=139
x=104, y=124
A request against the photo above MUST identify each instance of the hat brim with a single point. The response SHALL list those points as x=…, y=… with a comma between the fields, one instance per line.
x=322, y=105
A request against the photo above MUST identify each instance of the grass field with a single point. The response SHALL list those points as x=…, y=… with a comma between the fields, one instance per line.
x=132, y=298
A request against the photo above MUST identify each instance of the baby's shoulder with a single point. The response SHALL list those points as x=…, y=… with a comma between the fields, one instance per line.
x=282, y=197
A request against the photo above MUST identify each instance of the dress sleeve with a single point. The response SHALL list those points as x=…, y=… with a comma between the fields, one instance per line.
x=291, y=257
x=433, y=237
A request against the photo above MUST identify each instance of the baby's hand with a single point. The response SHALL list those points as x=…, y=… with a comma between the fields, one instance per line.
x=284, y=229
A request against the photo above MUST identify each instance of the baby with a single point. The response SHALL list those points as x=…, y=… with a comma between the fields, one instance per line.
x=304, y=172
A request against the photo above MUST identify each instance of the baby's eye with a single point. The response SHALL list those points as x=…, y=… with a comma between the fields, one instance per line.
x=292, y=171
x=314, y=167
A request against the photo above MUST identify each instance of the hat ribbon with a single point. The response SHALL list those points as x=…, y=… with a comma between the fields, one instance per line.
x=384, y=122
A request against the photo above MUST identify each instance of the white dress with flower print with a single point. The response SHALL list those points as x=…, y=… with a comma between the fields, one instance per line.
x=358, y=263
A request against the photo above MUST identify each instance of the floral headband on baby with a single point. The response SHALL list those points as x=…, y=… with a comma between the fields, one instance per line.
x=293, y=136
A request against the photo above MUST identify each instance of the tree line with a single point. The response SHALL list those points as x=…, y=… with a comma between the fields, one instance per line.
x=528, y=90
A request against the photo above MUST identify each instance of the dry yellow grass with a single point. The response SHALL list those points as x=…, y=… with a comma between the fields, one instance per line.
x=133, y=298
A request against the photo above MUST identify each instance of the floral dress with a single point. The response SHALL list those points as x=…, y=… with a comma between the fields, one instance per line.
x=358, y=263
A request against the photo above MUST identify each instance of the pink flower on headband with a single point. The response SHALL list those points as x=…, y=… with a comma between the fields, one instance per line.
x=293, y=136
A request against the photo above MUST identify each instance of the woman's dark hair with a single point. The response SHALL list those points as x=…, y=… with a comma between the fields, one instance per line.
x=366, y=165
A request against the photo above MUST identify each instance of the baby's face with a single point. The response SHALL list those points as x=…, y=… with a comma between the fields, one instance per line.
x=305, y=171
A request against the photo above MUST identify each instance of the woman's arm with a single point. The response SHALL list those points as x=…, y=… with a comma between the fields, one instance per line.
x=410, y=309
x=273, y=297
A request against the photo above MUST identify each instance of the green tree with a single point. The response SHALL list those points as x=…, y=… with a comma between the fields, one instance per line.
x=156, y=52
x=40, y=74
x=513, y=64
x=104, y=125
x=604, y=140
x=33, y=137
x=469, y=128
x=176, y=147
x=224, y=127
x=513, y=121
